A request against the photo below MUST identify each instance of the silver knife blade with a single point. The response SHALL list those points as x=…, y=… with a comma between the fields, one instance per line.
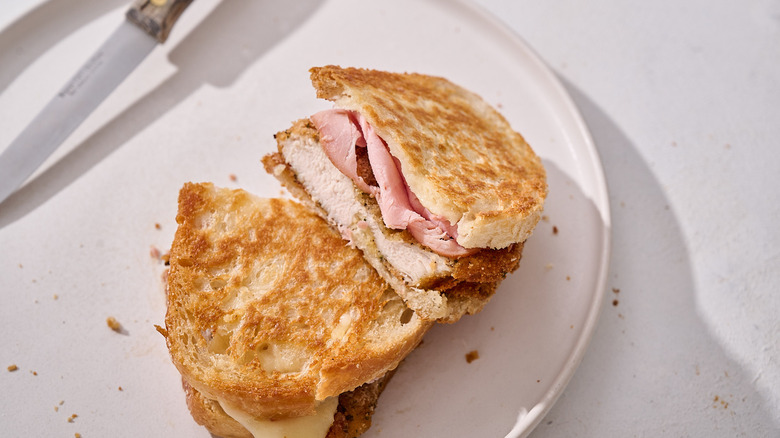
x=147, y=25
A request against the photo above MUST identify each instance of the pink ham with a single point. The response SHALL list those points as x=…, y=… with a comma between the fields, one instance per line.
x=338, y=136
x=340, y=133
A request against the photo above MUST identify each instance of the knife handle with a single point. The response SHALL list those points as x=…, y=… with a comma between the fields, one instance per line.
x=157, y=17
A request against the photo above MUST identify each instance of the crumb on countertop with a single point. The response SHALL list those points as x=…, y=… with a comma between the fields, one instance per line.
x=233, y=177
x=113, y=324
x=471, y=356
x=157, y=226
x=12, y=367
x=72, y=418
x=154, y=252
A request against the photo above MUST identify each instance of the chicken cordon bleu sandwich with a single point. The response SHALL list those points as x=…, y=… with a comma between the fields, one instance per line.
x=428, y=180
x=277, y=327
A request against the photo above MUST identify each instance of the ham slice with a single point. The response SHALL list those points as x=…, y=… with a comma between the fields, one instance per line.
x=341, y=132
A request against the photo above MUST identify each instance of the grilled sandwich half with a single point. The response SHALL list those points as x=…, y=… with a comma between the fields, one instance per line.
x=428, y=180
x=277, y=327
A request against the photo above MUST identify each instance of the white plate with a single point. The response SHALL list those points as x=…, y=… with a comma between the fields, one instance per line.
x=75, y=241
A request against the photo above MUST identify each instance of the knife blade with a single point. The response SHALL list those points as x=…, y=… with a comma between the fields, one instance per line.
x=147, y=23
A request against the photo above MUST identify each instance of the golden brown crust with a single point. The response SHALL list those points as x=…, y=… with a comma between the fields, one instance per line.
x=259, y=310
x=459, y=155
x=488, y=265
x=353, y=415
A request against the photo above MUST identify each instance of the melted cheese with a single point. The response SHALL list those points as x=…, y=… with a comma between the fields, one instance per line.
x=313, y=426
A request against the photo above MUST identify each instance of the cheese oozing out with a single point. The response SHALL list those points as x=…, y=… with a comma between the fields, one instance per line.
x=311, y=426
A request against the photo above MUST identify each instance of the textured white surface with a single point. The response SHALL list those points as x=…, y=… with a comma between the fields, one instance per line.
x=683, y=101
x=76, y=238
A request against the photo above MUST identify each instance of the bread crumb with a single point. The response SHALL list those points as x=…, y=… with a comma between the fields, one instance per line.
x=615, y=290
x=157, y=226
x=56, y=409
x=77, y=435
x=72, y=418
x=55, y=296
x=548, y=266
x=615, y=303
x=154, y=252
x=34, y=373
x=233, y=177
x=12, y=367
x=113, y=324
x=120, y=388
x=471, y=356
x=555, y=229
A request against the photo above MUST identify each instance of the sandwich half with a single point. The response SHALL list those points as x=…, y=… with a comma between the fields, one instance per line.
x=277, y=327
x=429, y=181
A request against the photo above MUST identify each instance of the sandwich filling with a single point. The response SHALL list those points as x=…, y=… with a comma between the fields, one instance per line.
x=342, y=132
x=311, y=426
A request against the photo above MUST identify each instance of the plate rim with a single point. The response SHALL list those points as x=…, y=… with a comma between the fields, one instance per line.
x=528, y=422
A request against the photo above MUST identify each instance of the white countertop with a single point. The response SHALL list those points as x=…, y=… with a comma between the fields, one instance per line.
x=683, y=102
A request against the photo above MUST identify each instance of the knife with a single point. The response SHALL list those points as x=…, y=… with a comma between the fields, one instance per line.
x=147, y=23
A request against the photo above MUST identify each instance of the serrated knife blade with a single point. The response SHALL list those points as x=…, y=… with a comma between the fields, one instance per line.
x=147, y=24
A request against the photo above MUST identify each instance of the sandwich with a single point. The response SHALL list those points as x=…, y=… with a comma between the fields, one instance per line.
x=277, y=327
x=429, y=181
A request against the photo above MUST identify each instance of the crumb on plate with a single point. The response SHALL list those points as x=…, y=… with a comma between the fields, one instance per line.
x=113, y=324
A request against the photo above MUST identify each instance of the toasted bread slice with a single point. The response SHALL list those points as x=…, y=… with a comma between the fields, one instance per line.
x=270, y=312
x=352, y=417
x=458, y=155
x=436, y=287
